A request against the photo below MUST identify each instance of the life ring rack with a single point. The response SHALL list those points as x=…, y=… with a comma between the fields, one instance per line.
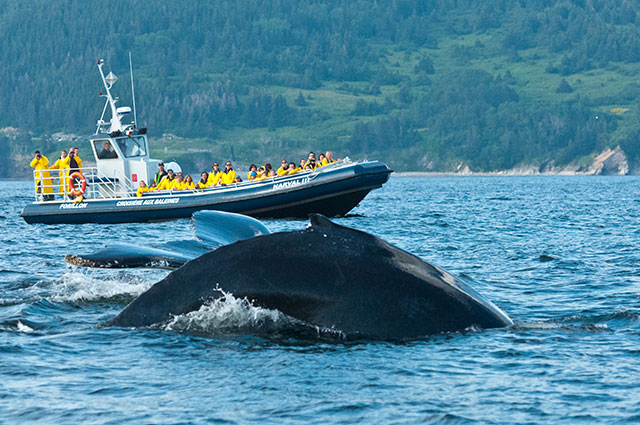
x=83, y=183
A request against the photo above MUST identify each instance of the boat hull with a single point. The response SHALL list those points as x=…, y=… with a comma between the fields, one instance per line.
x=330, y=192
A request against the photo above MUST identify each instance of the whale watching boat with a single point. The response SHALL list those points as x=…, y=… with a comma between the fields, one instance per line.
x=106, y=193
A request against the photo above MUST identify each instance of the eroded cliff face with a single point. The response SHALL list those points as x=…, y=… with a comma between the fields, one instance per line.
x=611, y=162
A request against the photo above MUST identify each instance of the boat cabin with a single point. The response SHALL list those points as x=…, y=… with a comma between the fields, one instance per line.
x=121, y=150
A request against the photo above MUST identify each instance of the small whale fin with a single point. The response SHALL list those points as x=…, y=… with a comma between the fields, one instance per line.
x=318, y=220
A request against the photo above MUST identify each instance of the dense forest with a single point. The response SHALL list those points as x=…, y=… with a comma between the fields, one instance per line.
x=423, y=85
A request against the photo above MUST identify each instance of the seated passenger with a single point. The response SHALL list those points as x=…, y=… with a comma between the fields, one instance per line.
x=320, y=159
x=188, y=182
x=311, y=162
x=228, y=175
x=267, y=168
x=214, y=177
x=261, y=174
x=292, y=168
x=284, y=168
x=238, y=179
x=167, y=182
x=252, y=172
x=272, y=173
x=178, y=182
x=328, y=159
x=142, y=189
x=203, y=180
x=107, y=152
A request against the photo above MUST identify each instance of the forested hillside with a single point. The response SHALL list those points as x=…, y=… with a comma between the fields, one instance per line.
x=423, y=85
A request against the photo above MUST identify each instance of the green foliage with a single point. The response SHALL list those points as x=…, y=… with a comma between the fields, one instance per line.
x=426, y=83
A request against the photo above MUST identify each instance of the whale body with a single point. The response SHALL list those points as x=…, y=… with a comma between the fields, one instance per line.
x=326, y=275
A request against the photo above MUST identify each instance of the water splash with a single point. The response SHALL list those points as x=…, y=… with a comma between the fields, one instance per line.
x=228, y=314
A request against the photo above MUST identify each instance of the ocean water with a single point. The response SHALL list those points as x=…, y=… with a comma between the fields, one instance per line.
x=561, y=255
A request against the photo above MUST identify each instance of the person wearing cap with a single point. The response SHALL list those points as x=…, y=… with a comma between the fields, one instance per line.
x=40, y=163
x=214, y=177
x=167, y=182
x=228, y=175
x=159, y=175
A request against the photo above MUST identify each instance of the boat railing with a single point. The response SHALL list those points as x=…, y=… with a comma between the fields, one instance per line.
x=53, y=185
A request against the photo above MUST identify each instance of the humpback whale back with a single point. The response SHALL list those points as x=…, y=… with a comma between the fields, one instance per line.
x=326, y=275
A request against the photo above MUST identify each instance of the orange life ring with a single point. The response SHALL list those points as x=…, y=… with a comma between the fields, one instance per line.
x=83, y=183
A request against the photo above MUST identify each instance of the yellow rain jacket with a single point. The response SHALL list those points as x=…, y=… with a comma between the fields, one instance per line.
x=62, y=181
x=166, y=184
x=282, y=171
x=141, y=190
x=228, y=178
x=42, y=177
x=214, y=179
x=79, y=161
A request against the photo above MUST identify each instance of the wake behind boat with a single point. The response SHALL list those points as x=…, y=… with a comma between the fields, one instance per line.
x=107, y=193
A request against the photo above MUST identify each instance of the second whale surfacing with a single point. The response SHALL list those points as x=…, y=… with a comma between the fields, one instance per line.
x=328, y=276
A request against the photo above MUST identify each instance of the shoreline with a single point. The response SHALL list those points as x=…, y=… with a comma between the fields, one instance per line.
x=497, y=174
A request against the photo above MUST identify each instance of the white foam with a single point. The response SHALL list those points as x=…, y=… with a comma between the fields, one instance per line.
x=23, y=328
x=227, y=313
x=87, y=285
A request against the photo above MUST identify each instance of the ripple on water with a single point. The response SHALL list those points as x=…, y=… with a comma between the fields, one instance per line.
x=560, y=255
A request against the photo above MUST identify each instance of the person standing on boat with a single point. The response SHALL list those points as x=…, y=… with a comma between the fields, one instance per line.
x=58, y=165
x=71, y=163
x=167, y=182
x=228, y=175
x=159, y=175
x=214, y=176
x=40, y=163
x=76, y=151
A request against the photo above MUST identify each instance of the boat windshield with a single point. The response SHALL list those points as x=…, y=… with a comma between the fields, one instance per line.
x=132, y=146
x=104, y=149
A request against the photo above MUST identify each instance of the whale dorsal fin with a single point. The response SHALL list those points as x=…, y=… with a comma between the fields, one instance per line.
x=318, y=220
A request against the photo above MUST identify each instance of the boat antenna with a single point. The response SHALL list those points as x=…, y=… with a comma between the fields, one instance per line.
x=133, y=92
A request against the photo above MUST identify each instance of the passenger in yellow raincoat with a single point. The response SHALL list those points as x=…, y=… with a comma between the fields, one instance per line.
x=142, y=189
x=228, y=175
x=214, y=176
x=58, y=165
x=284, y=168
x=43, y=181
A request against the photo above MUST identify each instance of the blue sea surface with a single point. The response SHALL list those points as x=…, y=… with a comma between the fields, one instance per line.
x=560, y=255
